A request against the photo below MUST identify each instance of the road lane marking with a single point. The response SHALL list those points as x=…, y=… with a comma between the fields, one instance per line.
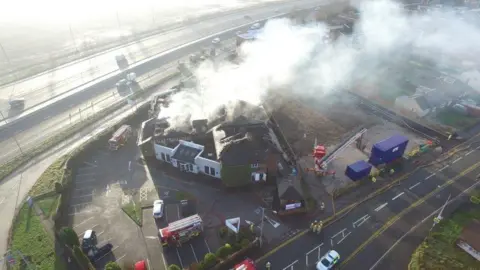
x=396, y=197
x=446, y=166
x=208, y=247
x=360, y=221
x=380, y=207
x=430, y=176
x=469, y=152
x=343, y=235
x=478, y=147
x=395, y=218
x=421, y=222
x=456, y=160
x=412, y=187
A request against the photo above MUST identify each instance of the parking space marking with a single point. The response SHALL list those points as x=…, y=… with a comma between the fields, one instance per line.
x=84, y=169
x=179, y=258
x=121, y=257
x=342, y=234
x=81, y=212
x=83, y=196
x=83, y=222
x=111, y=251
x=84, y=188
x=380, y=207
x=446, y=166
x=100, y=233
x=430, y=176
x=90, y=164
x=208, y=247
x=85, y=174
x=104, y=242
x=88, y=180
x=360, y=221
x=194, y=254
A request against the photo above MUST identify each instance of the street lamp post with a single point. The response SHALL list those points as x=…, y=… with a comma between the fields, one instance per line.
x=261, y=226
x=439, y=217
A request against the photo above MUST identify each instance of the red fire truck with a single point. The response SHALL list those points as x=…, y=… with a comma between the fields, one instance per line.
x=180, y=231
x=247, y=264
x=120, y=137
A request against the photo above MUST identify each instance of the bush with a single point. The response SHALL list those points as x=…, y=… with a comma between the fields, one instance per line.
x=224, y=251
x=174, y=267
x=209, y=260
x=244, y=243
x=112, y=266
x=82, y=260
x=223, y=232
x=69, y=237
x=58, y=187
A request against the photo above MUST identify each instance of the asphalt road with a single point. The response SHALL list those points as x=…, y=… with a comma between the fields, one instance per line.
x=355, y=229
x=50, y=84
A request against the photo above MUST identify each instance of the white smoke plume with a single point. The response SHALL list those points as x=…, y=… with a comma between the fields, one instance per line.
x=295, y=59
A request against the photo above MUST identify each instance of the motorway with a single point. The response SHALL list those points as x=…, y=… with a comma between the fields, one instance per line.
x=367, y=231
x=60, y=80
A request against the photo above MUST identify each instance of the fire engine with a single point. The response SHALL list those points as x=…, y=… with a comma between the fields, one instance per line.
x=247, y=264
x=180, y=231
x=322, y=159
x=120, y=137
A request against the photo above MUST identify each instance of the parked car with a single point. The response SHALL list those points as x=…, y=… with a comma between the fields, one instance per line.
x=89, y=240
x=99, y=253
x=158, y=207
x=328, y=261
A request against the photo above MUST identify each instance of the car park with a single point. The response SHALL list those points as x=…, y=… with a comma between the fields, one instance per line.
x=158, y=207
x=328, y=261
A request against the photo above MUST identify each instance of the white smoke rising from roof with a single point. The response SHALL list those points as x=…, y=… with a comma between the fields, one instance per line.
x=295, y=60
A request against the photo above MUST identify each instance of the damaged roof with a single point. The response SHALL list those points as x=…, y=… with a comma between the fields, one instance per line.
x=290, y=189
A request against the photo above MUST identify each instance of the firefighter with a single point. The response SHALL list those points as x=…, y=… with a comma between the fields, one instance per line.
x=312, y=225
x=374, y=179
x=392, y=171
x=322, y=206
x=268, y=265
x=252, y=228
x=320, y=226
x=449, y=137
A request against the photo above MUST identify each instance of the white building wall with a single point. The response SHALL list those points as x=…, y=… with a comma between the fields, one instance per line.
x=160, y=149
x=202, y=162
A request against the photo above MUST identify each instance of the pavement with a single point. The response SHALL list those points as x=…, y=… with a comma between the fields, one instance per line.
x=354, y=235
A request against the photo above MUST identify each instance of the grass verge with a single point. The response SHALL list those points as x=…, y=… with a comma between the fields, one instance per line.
x=456, y=120
x=439, y=251
x=53, y=174
x=134, y=211
x=32, y=241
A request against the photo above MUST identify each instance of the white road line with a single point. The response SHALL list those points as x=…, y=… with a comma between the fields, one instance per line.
x=179, y=258
x=469, y=152
x=163, y=259
x=100, y=233
x=446, y=166
x=84, y=188
x=91, y=164
x=380, y=207
x=430, y=176
x=208, y=247
x=360, y=221
x=121, y=257
x=104, y=242
x=194, y=254
x=457, y=160
x=85, y=181
x=81, y=212
x=478, y=147
x=345, y=236
x=83, y=196
x=412, y=187
x=83, y=222
x=396, y=197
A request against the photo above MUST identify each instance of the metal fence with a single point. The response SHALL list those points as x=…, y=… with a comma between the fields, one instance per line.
x=25, y=141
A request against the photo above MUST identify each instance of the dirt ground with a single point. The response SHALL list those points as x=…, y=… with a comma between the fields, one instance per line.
x=304, y=121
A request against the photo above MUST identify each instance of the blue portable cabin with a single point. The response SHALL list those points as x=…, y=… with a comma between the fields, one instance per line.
x=388, y=150
x=358, y=170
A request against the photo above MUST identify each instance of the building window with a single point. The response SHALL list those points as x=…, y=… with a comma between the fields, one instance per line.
x=212, y=171
x=207, y=169
x=190, y=167
x=163, y=156
x=168, y=158
x=253, y=166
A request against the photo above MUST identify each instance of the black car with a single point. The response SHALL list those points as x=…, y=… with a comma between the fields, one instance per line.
x=98, y=253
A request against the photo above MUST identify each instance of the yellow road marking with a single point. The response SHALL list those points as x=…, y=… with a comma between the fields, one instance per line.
x=392, y=220
x=332, y=219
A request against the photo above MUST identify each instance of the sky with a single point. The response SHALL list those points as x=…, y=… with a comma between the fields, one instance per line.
x=293, y=60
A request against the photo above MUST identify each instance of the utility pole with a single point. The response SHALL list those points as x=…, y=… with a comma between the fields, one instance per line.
x=439, y=217
x=5, y=55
